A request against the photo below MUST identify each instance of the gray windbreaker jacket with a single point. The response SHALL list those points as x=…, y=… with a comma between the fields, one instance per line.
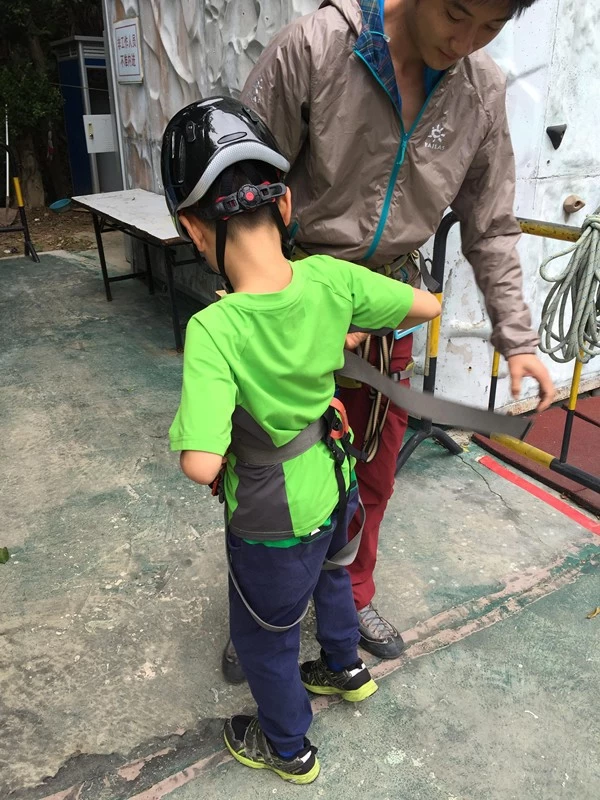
x=366, y=190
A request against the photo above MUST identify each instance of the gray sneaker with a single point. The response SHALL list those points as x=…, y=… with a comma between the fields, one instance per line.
x=377, y=635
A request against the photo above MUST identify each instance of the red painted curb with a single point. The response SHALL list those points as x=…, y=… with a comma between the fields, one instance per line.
x=559, y=505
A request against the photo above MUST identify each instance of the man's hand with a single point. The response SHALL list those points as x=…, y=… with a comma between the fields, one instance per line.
x=354, y=339
x=528, y=365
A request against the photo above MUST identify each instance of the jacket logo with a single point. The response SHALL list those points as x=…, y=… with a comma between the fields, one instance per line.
x=435, y=140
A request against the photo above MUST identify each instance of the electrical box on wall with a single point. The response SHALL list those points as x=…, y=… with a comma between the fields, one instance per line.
x=99, y=133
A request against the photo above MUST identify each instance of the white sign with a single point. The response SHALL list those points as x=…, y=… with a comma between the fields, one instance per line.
x=99, y=134
x=128, y=51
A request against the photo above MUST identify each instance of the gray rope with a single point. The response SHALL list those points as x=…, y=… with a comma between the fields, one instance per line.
x=576, y=287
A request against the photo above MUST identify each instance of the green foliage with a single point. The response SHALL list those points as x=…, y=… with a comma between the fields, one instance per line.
x=30, y=97
x=28, y=73
x=50, y=18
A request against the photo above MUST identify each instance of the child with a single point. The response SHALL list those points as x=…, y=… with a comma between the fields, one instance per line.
x=259, y=370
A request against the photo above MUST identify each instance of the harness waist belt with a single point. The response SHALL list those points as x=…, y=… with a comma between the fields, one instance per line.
x=418, y=404
x=426, y=406
x=263, y=455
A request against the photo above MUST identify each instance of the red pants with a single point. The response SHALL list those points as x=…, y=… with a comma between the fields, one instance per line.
x=376, y=479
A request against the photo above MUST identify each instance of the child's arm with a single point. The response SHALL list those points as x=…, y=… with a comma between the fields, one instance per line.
x=201, y=430
x=425, y=307
x=200, y=466
x=381, y=304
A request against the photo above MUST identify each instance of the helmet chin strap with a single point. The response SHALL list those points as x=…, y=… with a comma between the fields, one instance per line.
x=220, y=247
x=204, y=265
x=287, y=242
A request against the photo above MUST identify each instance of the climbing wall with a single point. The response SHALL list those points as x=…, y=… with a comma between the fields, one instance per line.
x=552, y=64
x=193, y=48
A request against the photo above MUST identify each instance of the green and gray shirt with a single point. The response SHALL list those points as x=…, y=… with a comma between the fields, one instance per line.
x=269, y=359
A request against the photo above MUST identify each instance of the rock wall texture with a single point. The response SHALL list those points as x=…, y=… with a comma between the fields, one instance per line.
x=193, y=48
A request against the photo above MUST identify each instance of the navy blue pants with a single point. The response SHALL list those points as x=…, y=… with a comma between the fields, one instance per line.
x=278, y=583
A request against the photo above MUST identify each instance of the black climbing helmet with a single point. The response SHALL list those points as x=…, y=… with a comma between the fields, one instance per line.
x=200, y=143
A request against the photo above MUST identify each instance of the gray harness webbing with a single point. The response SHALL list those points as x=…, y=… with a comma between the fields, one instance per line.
x=260, y=454
x=426, y=406
x=418, y=404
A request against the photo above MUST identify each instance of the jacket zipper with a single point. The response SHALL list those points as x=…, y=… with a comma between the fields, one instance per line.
x=399, y=157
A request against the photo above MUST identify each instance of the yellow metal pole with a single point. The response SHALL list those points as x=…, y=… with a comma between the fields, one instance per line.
x=575, y=384
x=550, y=230
x=524, y=449
x=494, y=380
x=434, y=333
x=549, y=461
x=18, y=193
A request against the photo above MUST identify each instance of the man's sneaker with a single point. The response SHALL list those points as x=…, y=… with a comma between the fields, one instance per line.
x=248, y=744
x=353, y=683
x=230, y=664
x=377, y=635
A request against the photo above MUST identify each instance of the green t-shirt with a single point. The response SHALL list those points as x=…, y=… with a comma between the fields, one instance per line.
x=270, y=358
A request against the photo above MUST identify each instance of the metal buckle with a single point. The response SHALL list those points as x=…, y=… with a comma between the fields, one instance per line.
x=404, y=374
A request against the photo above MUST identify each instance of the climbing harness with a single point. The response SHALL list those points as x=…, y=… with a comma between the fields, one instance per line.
x=399, y=269
x=570, y=327
x=332, y=428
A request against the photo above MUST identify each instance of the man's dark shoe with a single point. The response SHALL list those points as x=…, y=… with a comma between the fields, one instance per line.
x=248, y=744
x=230, y=664
x=377, y=635
x=354, y=683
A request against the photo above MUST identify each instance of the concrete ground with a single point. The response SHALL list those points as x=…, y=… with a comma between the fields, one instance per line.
x=113, y=603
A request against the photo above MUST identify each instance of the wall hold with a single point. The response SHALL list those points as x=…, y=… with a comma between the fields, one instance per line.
x=556, y=134
x=573, y=203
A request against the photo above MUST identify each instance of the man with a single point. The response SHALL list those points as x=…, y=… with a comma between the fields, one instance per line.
x=390, y=112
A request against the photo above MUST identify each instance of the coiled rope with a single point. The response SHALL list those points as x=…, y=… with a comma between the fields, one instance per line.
x=577, y=287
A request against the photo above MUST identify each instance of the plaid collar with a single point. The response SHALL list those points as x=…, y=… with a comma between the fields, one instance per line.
x=372, y=46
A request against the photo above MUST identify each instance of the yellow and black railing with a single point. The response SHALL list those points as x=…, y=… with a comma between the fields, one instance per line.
x=427, y=429
x=21, y=226
x=559, y=464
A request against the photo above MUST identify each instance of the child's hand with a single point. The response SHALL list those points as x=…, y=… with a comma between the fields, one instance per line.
x=353, y=340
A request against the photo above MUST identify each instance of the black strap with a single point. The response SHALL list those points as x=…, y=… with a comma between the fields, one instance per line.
x=430, y=282
x=340, y=449
x=220, y=247
x=288, y=245
x=247, y=198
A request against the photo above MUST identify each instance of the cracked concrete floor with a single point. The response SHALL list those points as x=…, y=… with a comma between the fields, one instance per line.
x=113, y=602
